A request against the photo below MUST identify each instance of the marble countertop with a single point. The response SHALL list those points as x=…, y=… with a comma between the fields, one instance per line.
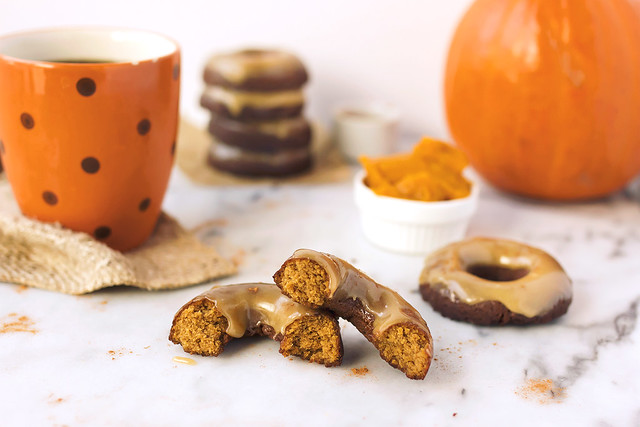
x=104, y=358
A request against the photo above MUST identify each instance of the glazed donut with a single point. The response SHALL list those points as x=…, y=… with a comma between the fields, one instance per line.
x=251, y=163
x=389, y=322
x=264, y=137
x=247, y=106
x=206, y=323
x=254, y=84
x=495, y=282
x=259, y=70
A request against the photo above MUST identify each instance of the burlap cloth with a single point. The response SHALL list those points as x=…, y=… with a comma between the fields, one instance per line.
x=50, y=257
x=193, y=146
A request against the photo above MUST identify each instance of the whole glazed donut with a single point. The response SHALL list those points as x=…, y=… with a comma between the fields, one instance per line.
x=254, y=163
x=390, y=323
x=258, y=70
x=209, y=321
x=254, y=84
x=488, y=281
x=263, y=137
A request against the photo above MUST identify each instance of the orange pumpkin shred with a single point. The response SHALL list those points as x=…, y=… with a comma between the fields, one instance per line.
x=431, y=172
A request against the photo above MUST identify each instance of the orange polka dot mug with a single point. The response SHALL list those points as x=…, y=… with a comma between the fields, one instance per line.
x=88, y=121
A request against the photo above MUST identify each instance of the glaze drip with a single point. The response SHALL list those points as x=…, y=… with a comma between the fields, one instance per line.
x=254, y=304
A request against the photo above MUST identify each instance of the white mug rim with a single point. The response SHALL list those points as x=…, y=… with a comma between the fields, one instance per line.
x=165, y=46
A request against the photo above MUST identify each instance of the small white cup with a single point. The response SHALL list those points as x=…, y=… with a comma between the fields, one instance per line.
x=367, y=129
x=412, y=226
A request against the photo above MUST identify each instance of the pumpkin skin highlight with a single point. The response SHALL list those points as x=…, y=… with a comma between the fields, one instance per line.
x=544, y=95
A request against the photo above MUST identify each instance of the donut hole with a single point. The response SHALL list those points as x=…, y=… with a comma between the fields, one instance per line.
x=497, y=273
x=304, y=281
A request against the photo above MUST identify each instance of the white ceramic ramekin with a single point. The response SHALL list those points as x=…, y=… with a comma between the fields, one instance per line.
x=411, y=226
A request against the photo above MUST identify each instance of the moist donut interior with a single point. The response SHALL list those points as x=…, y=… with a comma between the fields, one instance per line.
x=200, y=329
x=304, y=281
x=313, y=338
x=407, y=349
x=497, y=273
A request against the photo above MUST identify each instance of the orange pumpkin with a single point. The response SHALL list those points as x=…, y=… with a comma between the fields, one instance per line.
x=544, y=96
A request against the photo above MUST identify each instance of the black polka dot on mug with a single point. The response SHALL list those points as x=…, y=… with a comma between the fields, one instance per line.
x=50, y=198
x=144, y=126
x=27, y=121
x=102, y=232
x=90, y=165
x=86, y=86
x=144, y=204
x=176, y=71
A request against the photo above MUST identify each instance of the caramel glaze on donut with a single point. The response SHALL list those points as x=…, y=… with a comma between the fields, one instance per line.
x=389, y=322
x=209, y=321
x=260, y=136
x=256, y=70
x=495, y=282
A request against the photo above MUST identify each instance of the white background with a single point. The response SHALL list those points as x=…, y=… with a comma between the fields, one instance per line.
x=356, y=50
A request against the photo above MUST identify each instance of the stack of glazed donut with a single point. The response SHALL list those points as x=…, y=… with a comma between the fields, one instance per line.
x=256, y=102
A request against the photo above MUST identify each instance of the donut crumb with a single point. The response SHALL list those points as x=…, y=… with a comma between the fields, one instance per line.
x=359, y=372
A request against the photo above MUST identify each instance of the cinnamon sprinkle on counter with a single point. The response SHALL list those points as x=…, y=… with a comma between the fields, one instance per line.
x=543, y=390
x=53, y=400
x=238, y=258
x=15, y=323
